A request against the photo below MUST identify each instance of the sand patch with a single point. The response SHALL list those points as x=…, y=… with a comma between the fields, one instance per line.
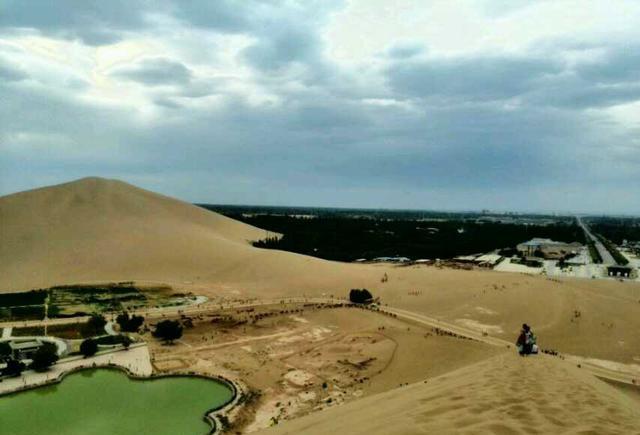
x=481, y=327
x=299, y=319
x=299, y=378
x=483, y=310
x=171, y=364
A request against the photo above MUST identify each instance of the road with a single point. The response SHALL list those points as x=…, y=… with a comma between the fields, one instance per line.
x=607, y=258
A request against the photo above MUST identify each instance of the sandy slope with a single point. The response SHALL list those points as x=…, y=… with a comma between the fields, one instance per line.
x=96, y=229
x=504, y=395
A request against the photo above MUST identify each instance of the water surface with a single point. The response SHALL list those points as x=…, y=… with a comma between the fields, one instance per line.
x=108, y=402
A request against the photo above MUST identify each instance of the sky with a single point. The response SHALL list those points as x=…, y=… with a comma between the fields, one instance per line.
x=443, y=104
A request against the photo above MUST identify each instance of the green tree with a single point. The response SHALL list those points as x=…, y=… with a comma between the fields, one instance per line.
x=97, y=323
x=5, y=350
x=358, y=296
x=129, y=323
x=13, y=368
x=168, y=330
x=88, y=347
x=44, y=357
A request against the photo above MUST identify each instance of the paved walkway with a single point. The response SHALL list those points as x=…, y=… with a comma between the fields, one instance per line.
x=6, y=332
x=136, y=360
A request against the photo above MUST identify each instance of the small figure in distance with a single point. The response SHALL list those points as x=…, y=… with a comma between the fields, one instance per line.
x=526, y=341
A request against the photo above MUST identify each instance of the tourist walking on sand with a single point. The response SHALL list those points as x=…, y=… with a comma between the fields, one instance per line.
x=526, y=341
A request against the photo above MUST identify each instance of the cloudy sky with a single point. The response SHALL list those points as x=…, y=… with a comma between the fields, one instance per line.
x=497, y=104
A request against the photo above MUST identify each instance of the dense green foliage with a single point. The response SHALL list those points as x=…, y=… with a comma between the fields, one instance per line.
x=89, y=347
x=44, y=357
x=347, y=238
x=5, y=350
x=96, y=323
x=29, y=312
x=593, y=252
x=129, y=323
x=168, y=330
x=617, y=256
x=13, y=368
x=617, y=230
x=112, y=339
x=33, y=297
x=360, y=296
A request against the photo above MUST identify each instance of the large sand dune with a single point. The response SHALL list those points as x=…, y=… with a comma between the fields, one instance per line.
x=96, y=229
x=503, y=395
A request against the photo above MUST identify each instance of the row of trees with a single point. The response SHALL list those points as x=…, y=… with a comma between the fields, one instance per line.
x=620, y=259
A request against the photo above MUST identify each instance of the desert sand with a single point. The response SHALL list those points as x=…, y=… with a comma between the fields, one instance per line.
x=506, y=394
x=105, y=230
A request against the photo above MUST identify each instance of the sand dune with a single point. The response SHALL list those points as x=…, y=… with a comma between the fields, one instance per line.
x=105, y=230
x=97, y=229
x=102, y=230
x=504, y=395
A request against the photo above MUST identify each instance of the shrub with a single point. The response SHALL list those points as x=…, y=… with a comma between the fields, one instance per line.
x=129, y=323
x=168, y=330
x=360, y=296
x=88, y=347
x=44, y=357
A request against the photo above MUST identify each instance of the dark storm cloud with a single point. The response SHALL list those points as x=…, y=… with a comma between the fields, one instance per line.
x=281, y=48
x=286, y=124
x=619, y=65
x=95, y=22
x=154, y=72
x=480, y=78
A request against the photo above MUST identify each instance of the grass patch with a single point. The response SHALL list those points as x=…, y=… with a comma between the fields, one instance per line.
x=33, y=297
x=33, y=312
x=29, y=331
x=74, y=331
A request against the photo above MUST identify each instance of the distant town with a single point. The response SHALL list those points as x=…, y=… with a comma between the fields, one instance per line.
x=554, y=245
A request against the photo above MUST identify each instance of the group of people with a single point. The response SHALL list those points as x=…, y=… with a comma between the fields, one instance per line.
x=526, y=341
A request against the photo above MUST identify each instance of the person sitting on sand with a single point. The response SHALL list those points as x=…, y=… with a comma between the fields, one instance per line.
x=526, y=341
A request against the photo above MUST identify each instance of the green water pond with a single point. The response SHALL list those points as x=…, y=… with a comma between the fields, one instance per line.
x=108, y=402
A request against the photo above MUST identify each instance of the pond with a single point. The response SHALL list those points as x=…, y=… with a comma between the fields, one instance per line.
x=106, y=402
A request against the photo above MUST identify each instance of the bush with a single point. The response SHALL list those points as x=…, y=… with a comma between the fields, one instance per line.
x=360, y=296
x=88, y=347
x=129, y=323
x=13, y=368
x=97, y=323
x=168, y=330
x=5, y=350
x=45, y=357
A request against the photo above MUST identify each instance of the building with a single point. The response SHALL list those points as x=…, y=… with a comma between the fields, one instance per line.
x=619, y=271
x=24, y=349
x=547, y=248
